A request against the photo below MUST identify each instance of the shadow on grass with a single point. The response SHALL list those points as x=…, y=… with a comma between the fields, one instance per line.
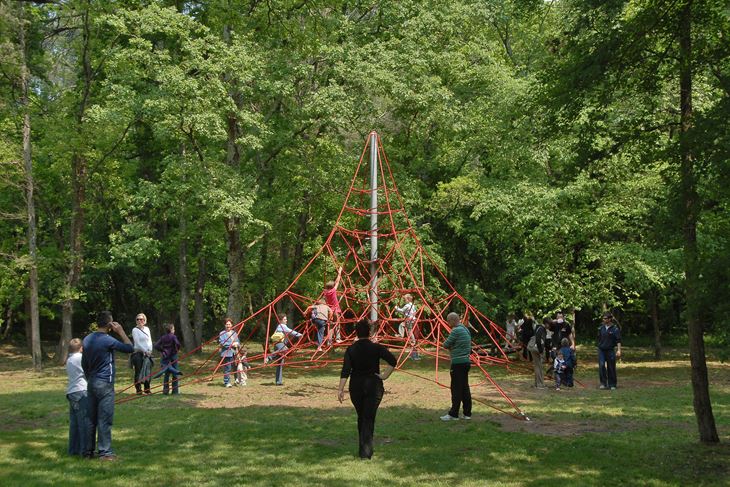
x=169, y=442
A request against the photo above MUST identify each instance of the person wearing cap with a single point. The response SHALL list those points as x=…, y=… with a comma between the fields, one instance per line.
x=609, y=338
x=362, y=366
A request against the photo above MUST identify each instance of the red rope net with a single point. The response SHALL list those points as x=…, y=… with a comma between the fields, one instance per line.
x=403, y=267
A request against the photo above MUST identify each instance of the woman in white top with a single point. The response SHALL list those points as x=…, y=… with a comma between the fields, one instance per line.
x=142, y=356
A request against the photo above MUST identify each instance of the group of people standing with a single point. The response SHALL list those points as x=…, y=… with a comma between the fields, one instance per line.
x=91, y=371
x=552, y=342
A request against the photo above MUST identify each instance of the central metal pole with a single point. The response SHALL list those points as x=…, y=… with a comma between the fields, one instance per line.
x=373, y=226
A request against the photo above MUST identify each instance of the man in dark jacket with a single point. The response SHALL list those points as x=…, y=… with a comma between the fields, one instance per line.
x=539, y=355
x=609, y=337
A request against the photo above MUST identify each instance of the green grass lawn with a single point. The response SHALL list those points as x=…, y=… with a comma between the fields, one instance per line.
x=644, y=433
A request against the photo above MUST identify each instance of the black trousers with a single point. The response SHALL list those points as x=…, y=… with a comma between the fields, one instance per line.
x=460, y=392
x=366, y=394
x=137, y=360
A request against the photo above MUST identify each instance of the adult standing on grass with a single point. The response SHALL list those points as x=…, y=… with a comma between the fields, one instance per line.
x=97, y=361
x=142, y=356
x=459, y=344
x=229, y=343
x=609, y=337
x=538, y=352
x=362, y=366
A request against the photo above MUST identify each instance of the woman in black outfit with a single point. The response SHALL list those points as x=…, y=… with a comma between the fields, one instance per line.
x=362, y=365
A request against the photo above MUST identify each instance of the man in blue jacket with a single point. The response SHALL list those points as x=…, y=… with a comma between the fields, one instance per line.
x=609, y=337
x=98, y=364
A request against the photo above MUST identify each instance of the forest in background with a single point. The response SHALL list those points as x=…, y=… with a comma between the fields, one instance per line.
x=186, y=158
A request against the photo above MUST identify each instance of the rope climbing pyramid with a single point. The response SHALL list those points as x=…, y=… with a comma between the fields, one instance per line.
x=376, y=258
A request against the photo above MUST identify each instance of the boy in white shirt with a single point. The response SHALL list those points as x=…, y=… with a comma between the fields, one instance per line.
x=76, y=395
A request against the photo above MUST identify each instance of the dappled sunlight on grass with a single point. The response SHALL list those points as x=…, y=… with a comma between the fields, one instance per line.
x=299, y=434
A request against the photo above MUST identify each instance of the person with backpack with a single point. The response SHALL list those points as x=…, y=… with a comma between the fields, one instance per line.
x=319, y=314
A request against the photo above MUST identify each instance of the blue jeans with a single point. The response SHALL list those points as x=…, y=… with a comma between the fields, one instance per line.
x=321, y=327
x=280, y=372
x=100, y=417
x=607, y=367
x=77, y=410
x=168, y=364
x=228, y=364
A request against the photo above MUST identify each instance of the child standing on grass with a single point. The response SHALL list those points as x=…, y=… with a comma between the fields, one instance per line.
x=168, y=345
x=559, y=370
x=242, y=366
x=77, y=402
x=570, y=361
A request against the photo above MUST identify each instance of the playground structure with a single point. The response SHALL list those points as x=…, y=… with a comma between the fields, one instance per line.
x=382, y=259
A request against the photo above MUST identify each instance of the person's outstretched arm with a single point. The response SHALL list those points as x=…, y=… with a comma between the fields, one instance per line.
x=339, y=277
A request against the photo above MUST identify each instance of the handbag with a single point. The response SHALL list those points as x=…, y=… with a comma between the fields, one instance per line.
x=532, y=344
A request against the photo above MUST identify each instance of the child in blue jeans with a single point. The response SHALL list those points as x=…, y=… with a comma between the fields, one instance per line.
x=570, y=362
x=279, y=351
x=76, y=395
x=169, y=346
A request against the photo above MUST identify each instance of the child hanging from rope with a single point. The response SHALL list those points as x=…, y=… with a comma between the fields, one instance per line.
x=330, y=297
x=407, y=326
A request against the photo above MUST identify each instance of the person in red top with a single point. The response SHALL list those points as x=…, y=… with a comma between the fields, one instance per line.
x=330, y=297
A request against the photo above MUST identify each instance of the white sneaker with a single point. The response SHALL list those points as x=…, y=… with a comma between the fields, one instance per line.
x=601, y=386
x=448, y=417
x=229, y=385
x=468, y=418
x=613, y=388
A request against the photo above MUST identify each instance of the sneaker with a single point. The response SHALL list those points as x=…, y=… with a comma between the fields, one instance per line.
x=229, y=385
x=468, y=418
x=613, y=388
x=601, y=386
x=237, y=382
x=243, y=383
x=557, y=388
x=108, y=458
x=448, y=417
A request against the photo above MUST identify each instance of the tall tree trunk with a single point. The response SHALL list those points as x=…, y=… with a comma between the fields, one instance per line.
x=79, y=168
x=654, y=304
x=35, y=329
x=187, y=331
x=199, y=310
x=691, y=203
x=235, y=270
x=235, y=258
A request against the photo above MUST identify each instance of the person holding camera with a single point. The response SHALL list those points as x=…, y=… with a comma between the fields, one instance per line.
x=97, y=361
